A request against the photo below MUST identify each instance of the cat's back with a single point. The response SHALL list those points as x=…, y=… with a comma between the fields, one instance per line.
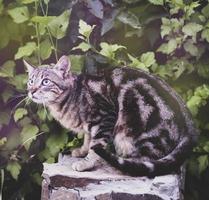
x=153, y=91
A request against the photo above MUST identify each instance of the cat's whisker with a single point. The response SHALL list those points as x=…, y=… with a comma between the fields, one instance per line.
x=45, y=111
x=16, y=97
x=35, y=136
x=13, y=110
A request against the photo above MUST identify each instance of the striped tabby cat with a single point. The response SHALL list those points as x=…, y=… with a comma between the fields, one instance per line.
x=130, y=118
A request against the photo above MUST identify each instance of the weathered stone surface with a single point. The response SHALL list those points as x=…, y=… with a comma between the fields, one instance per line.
x=106, y=183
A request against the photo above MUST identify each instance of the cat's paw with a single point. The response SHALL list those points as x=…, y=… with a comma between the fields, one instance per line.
x=79, y=152
x=82, y=165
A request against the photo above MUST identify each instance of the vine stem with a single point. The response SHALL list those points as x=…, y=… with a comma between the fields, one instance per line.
x=2, y=184
x=37, y=33
x=45, y=13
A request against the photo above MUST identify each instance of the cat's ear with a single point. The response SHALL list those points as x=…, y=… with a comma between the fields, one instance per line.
x=63, y=65
x=29, y=67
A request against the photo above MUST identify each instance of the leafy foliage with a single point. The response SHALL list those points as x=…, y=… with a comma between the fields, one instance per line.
x=169, y=38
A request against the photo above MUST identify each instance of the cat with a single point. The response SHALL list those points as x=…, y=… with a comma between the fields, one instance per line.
x=130, y=118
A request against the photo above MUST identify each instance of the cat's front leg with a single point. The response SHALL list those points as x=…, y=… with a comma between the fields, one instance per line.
x=83, y=150
x=89, y=162
x=92, y=160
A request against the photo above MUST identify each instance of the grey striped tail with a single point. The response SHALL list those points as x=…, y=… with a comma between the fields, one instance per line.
x=168, y=164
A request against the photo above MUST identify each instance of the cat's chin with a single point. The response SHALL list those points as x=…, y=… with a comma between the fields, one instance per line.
x=38, y=101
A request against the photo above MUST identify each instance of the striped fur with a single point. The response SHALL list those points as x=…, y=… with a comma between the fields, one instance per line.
x=133, y=119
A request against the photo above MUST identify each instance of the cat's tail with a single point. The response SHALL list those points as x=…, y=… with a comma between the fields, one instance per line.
x=134, y=167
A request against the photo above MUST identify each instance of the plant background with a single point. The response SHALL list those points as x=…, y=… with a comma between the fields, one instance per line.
x=169, y=38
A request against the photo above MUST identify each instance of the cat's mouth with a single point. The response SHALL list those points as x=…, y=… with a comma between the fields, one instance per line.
x=35, y=99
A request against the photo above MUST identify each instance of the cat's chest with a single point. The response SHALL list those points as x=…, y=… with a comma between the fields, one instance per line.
x=69, y=120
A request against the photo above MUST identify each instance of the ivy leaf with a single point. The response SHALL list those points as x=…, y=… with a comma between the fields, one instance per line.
x=77, y=62
x=7, y=69
x=56, y=142
x=19, y=113
x=165, y=27
x=96, y=8
x=108, y=21
x=148, y=59
x=3, y=141
x=19, y=81
x=191, y=48
x=130, y=19
x=83, y=46
x=46, y=1
x=1, y=6
x=27, y=1
x=85, y=29
x=137, y=63
x=191, y=29
x=28, y=134
x=108, y=50
x=26, y=50
x=19, y=14
x=4, y=118
x=169, y=47
x=14, y=169
x=205, y=34
x=45, y=49
x=205, y=11
x=42, y=19
x=203, y=163
x=58, y=25
x=157, y=2
x=5, y=37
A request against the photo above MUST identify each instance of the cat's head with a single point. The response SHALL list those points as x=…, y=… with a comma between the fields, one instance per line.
x=47, y=83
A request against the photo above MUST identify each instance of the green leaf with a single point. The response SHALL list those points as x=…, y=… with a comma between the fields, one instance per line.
x=43, y=19
x=7, y=69
x=191, y=48
x=203, y=163
x=28, y=134
x=4, y=118
x=59, y=25
x=50, y=160
x=205, y=34
x=26, y=50
x=14, y=168
x=148, y=59
x=191, y=29
x=46, y=1
x=96, y=8
x=20, y=113
x=165, y=30
x=27, y=1
x=108, y=50
x=3, y=141
x=130, y=19
x=83, y=46
x=137, y=63
x=169, y=47
x=77, y=62
x=56, y=142
x=85, y=29
x=157, y=2
x=45, y=49
x=205, y=11
x=19, y=14
x=1, y=6
x=19, y=81
x=4, y=34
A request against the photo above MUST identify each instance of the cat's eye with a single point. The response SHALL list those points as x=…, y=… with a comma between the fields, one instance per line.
x=30, y=81
x=46, y=82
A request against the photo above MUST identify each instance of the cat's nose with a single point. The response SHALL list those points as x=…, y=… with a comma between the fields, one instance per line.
x=34, y=90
